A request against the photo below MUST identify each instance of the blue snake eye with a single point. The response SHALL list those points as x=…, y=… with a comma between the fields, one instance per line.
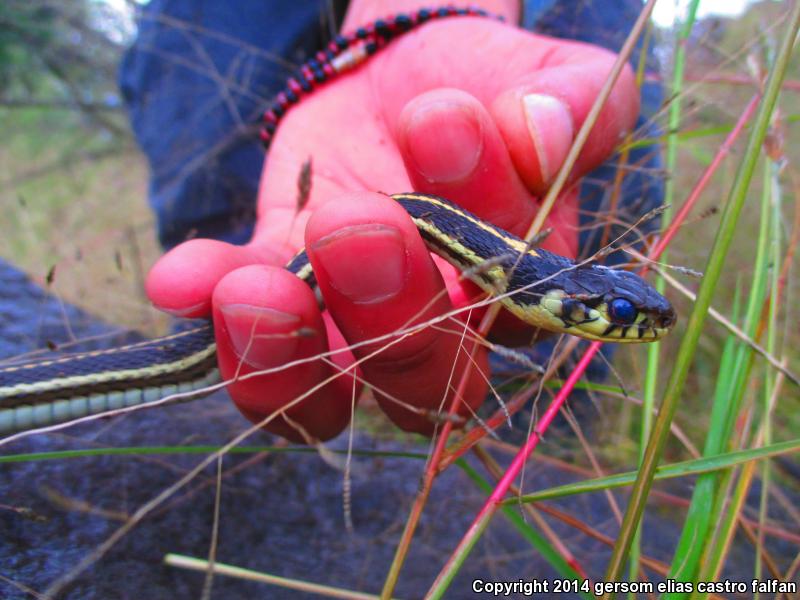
x=622, y=311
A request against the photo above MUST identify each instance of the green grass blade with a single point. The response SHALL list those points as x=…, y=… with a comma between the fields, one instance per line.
x=165, y=450
x=769, y=377
x=696, y=536
x=716, y=554
x=681, y=469
x=654, y=350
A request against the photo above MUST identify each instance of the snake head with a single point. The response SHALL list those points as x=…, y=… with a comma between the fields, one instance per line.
x=605, y=304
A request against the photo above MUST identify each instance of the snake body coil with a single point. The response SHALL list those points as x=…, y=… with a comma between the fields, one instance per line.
x=541, y=288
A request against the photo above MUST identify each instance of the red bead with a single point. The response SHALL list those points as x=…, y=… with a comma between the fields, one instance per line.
x=294, y=86
x=265, y=136
x=328, y=70
x=282, y=100
x=321, y=57
x=270, y=117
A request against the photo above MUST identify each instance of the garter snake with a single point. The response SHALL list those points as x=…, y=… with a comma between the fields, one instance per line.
x=541, y=288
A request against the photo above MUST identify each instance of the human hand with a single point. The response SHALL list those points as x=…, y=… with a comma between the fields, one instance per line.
x=467, y=108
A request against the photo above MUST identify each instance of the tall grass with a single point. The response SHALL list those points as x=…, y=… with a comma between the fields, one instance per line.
x=694, y=329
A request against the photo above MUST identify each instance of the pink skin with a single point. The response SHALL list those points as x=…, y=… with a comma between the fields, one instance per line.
x=440, y=111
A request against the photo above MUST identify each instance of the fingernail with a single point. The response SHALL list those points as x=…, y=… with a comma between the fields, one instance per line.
x=551, y=129
x=365, y=263
x=445, y=141
x=189, y=311
x=262, y=337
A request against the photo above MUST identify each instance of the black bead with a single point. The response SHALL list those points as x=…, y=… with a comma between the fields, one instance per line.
x=382, y=28
x=277, y=109
x=305, y=84
x=290, y=95
x=330, y=54
x=423, y=15
x=361, y=33
x=269, y=127
x=443, y=12
x=341, y=42
x=462, y=11
x=403, y=22
x=313, y=63
x=371, y=47
x=319, y=74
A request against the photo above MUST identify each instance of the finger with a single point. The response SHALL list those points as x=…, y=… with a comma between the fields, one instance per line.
x=265, y=317
x=377, y=278
x=539, y=116
x=182, y=281
x=564, y=77
x=452, y=148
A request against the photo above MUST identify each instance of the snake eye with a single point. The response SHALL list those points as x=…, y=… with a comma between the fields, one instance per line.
x=622, y=311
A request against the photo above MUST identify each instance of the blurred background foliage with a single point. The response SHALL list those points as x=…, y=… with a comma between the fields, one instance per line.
x=63, y=55
x=72, y=184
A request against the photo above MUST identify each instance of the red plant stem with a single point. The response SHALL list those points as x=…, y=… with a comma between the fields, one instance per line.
x=475, y=435
x=429, y=476
x=493, y=502
x=494, y=468
x=691, y=200
x=501, y=489
x=552, y=410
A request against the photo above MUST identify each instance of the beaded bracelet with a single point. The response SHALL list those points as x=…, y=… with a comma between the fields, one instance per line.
x=345, y=52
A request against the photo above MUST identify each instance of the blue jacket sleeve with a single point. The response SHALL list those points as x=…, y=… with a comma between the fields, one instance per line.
x=195, y=81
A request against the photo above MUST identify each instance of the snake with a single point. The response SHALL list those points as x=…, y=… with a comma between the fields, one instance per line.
x=543, y=289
